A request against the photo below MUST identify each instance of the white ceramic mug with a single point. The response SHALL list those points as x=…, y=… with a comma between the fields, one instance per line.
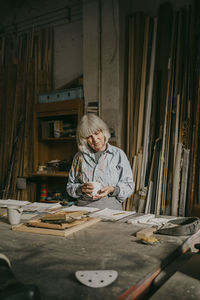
x=97, y=186
x=14, y=214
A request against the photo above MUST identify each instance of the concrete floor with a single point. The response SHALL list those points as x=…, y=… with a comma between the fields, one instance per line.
x=50, y=262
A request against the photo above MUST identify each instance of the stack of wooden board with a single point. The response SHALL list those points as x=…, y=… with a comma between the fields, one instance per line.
x=60, y=223
x=163, y=112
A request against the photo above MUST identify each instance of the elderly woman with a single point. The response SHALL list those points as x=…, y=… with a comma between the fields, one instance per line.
x=98, y=161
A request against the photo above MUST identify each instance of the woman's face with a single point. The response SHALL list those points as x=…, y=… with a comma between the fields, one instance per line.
x=97, y=141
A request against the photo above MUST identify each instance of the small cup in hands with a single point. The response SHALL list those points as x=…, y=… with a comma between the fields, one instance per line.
x=97, y=187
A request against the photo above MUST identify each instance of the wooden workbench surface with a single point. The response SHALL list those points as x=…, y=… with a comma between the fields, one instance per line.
x=50, y=262
x=184, y=283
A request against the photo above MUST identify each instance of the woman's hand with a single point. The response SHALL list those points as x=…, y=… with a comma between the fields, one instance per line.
x=103, y=192
x=87, y=188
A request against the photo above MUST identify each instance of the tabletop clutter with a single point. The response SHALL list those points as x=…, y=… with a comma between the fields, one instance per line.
x=56, y=219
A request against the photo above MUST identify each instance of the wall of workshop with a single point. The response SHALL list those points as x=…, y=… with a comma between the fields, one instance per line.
x=95, y=45
x=68, y=40
x=105, y=55
x=104, y=60
x=101, y=21
x=68, y=49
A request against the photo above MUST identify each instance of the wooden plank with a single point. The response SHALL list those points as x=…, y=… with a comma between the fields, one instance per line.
x=161, y=70
x=61, y=226
x=139, y=167
x=142, y=86
x=63, y=215
x=2, y=122
x=176, y=128
x=176, y=180
x=166, y=130
x=184, y=181
x=146, y=232
x=130, y=84
x=9, y=128
x=196, y=143
x=149, y=107
x=139, y=40
x=28, y=127
x=156, y=175
x=135, y=167
x=168, y=153
x=189, y=97
x=151, y=178
x=65, y=232
x=149, y=197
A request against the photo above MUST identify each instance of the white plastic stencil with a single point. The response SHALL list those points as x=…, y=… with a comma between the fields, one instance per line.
x=96, y=279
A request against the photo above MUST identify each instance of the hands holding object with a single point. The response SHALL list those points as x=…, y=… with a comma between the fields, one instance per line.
x=95, y=190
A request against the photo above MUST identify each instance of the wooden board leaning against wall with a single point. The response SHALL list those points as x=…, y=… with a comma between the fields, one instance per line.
x=25, y=70
x=164, y=152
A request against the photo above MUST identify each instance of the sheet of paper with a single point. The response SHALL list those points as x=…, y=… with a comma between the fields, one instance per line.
x=41, y=207
x=26, y=217
x=112, y=214
x=30, y=209
x=78, y=208
x=150, y=219
x=5, y=203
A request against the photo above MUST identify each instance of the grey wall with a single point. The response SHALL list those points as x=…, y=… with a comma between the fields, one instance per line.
x=68, y=50
x=104, y=66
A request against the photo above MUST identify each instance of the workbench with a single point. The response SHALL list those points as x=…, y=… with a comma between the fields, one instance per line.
x=50, y=262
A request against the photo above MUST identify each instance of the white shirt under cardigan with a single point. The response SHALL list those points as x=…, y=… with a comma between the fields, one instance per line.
x=111, y=169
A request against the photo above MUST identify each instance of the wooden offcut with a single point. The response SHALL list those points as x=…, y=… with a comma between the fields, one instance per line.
x=65, y=232
x=146, y=232
x=57, y=224
x=63, y=216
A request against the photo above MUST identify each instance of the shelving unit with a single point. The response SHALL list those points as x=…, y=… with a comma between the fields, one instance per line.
x=53, y=142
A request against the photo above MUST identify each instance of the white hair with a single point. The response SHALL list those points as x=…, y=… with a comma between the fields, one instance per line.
x=88, y=125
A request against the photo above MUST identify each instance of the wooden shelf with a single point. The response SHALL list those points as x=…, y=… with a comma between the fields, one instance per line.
x=50, y=174
x=48, y=145
x=70, y=138
x=59, y=108
x=47, y=148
